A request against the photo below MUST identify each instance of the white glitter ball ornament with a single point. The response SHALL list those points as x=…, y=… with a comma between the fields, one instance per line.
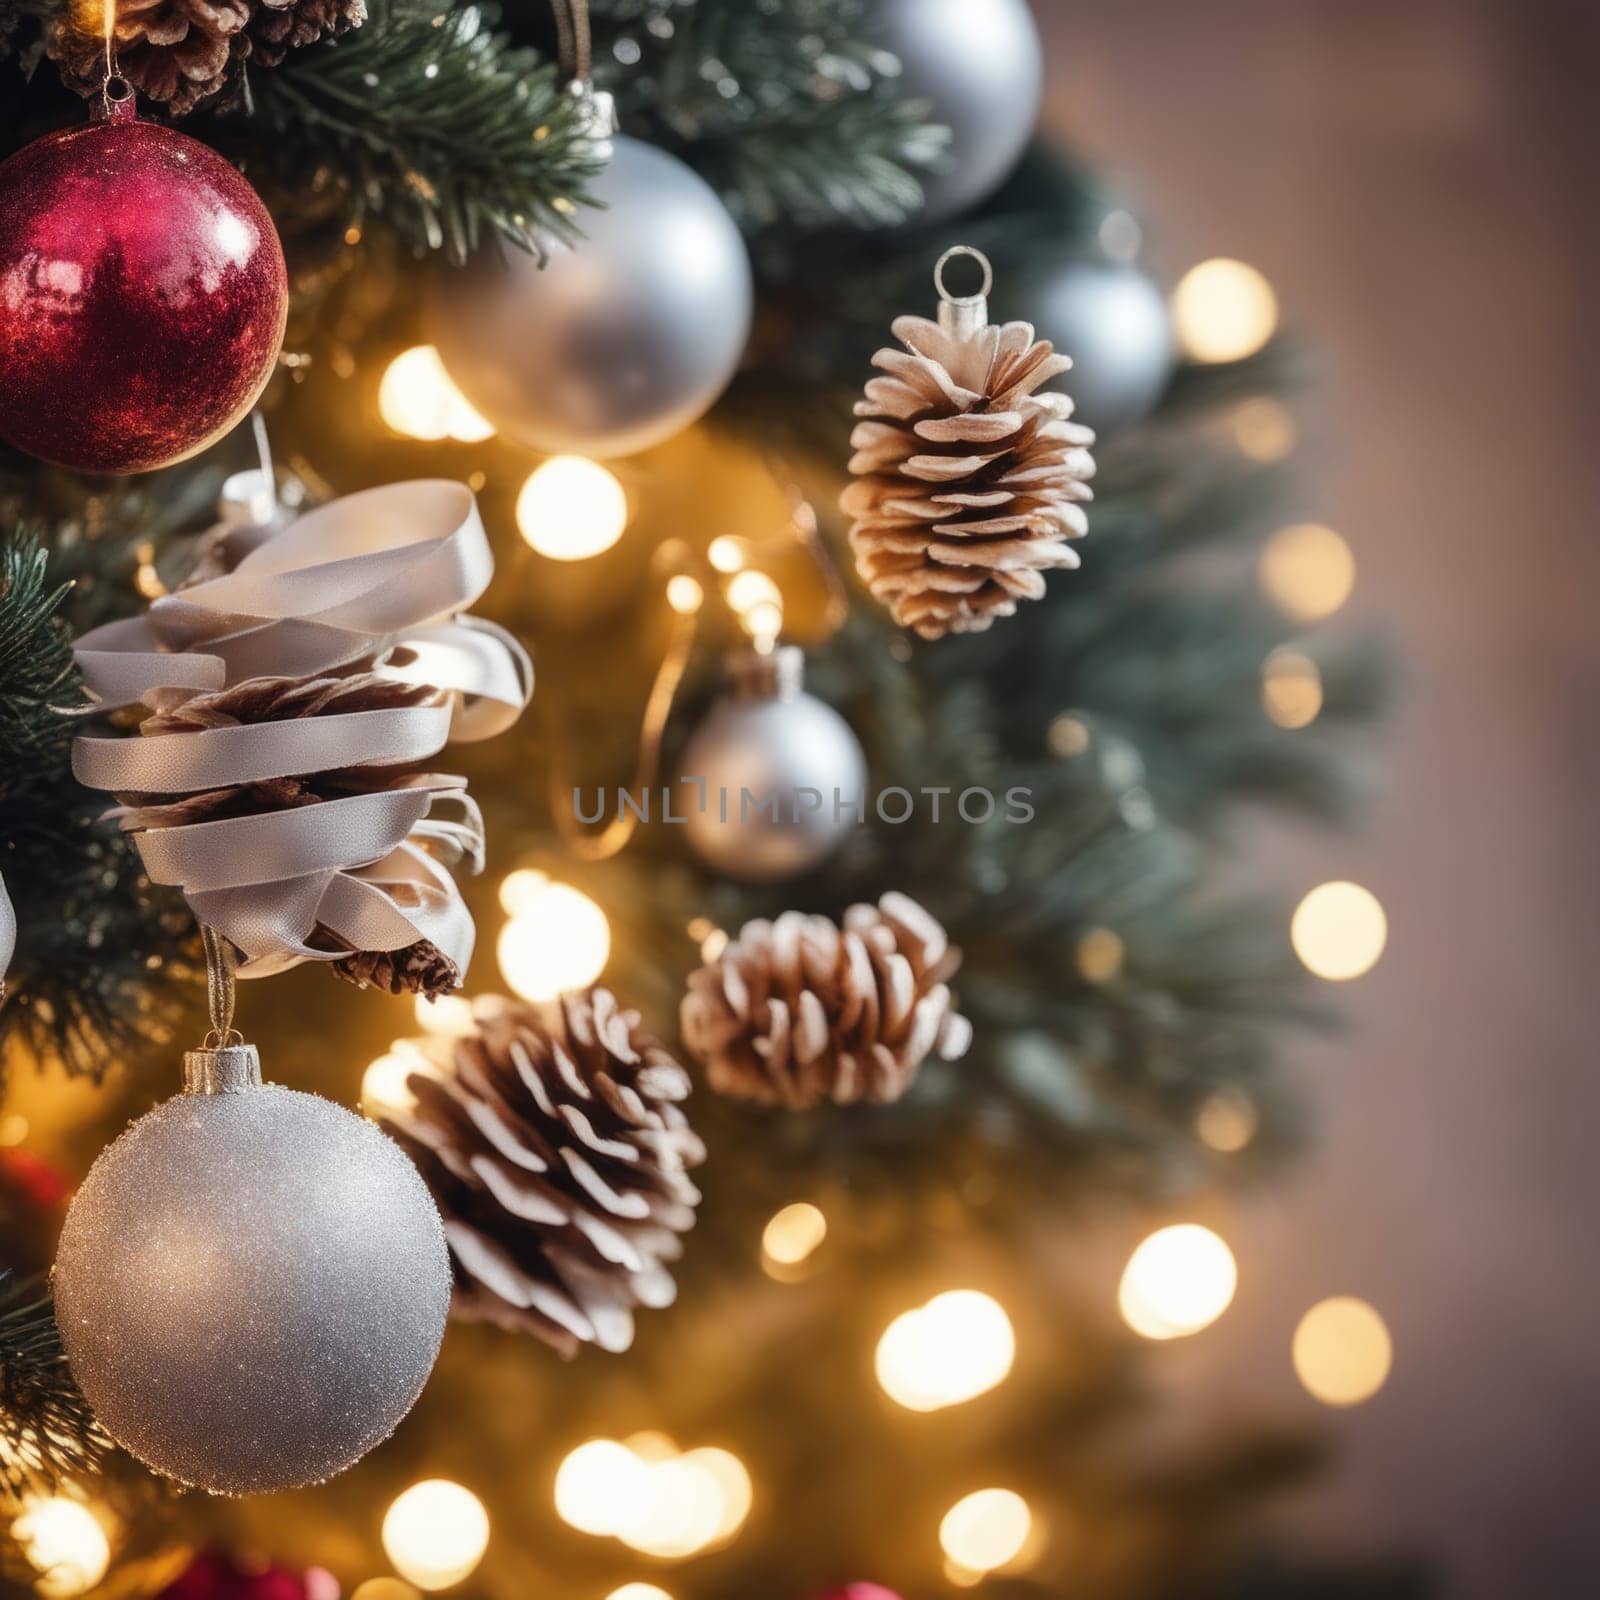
x=252, y=1283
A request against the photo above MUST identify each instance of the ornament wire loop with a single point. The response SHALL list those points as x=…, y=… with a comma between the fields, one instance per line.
x=219, y=989
x=945, y=260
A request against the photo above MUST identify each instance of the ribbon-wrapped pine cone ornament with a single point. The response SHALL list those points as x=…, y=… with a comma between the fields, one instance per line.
x=968, y=482
x=289, y=710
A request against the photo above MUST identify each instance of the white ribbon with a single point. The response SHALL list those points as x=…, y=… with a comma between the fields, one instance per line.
x=377, y=578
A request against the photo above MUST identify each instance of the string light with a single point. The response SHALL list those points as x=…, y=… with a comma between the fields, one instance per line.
x=1339, y=931
x=956, y=1347
x=986, y=1530
x=750, y=588
x=64, y=1543
x=684, y=594
x=557, y=938
x=1291, y=688
x=1342, y=1351
x=418, y=400
x=651, y=1497
x=1308, y=571
x=435, y=1533
x=1223, y=311
x=793, y=1234
x=1179, y=1280
x=571, y=508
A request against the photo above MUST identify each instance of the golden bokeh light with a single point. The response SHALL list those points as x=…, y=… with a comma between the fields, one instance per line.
x=1307, y=571
x=1264, y=431
x=1178, y=1281
x=557, y=938
x=418, y=399
x=749, y=589
x=63, y=1542
x=1291, y=688
x=793, y=1234
x=1067, y=736
x=385, y=1086
x=386, y=1589
x=639, y=1591
x=571, y=508
x=951, y=1350
x=684, y=594
x=435, y=1533
x=1339, y=931
x=986, y=1530
x=1342, y=1351
x=653, y=1499
x=447, y=1015
x=1100, y=955
x=1223, y=310
x=1227, y=1121
x=726, y=554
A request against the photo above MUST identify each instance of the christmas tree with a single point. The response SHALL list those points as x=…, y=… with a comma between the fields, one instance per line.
x=914, y=966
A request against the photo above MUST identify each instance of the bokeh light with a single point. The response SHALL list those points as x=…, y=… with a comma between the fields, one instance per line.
x=1342, y=1351
x=64, y=1543
x=1179, y=1280
x=726, y=554
x=793, y=1234
x=684, y=594
x=1100, y=955
x=435, y=1533
x=385, y=1086
x=448, y=1015
x=1308, y=571
x=1227, y=1121
x=1339, y=931
x=386, y=1589
x=1264, y=431
x=557, y=938
x=653, y=1498
x=1223, y=311
x=956, y=1347
x=571, y=508
x=750, y=588
x=418, y=399
x=1291, y=688
x=986, y=1530
x=639, y=1591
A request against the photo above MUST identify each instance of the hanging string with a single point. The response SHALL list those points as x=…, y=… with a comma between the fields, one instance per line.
x=615, y=835
x=573, y=40
x=115, y=89
x=809, y=532
x=219, y=989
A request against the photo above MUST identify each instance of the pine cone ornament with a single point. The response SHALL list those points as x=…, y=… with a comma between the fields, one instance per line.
x=180, y=52
x=418, y=968
x=554, y=1142
x=797, y=1011
x=968, y=483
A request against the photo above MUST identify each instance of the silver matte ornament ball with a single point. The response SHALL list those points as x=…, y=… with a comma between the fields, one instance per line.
x=980, y=66
x=252, y=1283
x=774, y=778
x=622, y=338
x=8, y=934
x=1112, y=319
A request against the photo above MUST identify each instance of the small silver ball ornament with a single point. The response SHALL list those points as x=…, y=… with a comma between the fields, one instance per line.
x=980, y=65
x=774, y=778
x=252, y=1283
x=622, y=338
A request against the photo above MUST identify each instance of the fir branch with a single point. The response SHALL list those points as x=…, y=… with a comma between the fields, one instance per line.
x=429, y=120
x=789, y=110
x=48, y=1435
x=99, y=950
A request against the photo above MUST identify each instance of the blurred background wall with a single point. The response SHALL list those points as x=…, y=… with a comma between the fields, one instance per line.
x=1417, y=178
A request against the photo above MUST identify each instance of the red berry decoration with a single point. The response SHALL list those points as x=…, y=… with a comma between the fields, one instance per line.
x=142, y=296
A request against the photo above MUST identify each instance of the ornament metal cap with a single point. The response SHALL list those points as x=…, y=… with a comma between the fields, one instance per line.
x=962, y=315
x=766, y=675
x=597, y=115
x=230, y=1069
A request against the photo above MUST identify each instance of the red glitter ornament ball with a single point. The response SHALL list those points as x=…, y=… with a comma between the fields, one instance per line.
x=142, y=296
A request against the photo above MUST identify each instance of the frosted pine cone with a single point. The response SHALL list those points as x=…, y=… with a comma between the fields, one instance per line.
x=968, y=483
x=181, y=52
x=797, y=1011
x=417, y=968
x=554, y=1142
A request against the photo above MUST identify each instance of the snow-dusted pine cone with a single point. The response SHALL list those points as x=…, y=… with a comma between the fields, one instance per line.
x=796, y=1011
x=555, y=1145
x=968, y=483
x=181, y=52
x=419, y=968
